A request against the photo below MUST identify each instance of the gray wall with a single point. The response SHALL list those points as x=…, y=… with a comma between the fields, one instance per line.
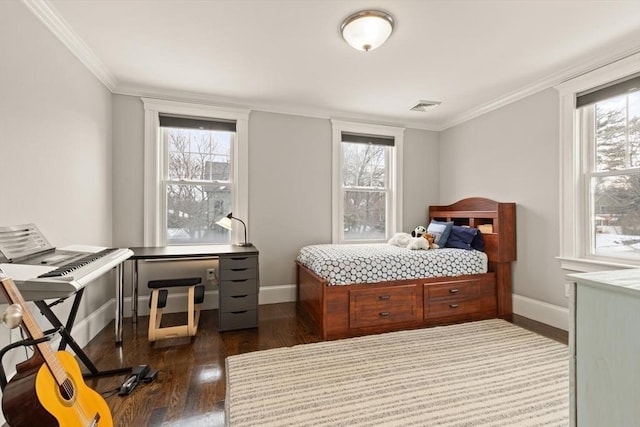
x=55, y=140
x=289, y=183
x=289, y=189
x=420, y=176
x=511, y=155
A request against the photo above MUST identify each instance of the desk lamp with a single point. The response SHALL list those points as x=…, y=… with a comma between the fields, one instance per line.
x=225, y=222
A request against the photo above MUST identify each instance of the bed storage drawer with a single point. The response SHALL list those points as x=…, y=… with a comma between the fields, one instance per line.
x=381, y=306
x=455, y=299
x=452, y=308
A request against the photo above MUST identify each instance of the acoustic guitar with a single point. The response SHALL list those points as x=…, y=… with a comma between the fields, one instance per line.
x=48, y=388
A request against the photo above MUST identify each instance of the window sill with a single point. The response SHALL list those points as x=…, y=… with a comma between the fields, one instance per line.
x=585, y=265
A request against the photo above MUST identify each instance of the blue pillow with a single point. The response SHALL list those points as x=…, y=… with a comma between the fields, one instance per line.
x=461, y=237
x=478, y=242
x=440, y=230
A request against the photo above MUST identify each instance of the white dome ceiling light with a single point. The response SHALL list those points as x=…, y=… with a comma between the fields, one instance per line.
x=367, y=29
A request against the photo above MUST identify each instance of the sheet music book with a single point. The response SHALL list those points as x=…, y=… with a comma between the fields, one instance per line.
x=27, y=245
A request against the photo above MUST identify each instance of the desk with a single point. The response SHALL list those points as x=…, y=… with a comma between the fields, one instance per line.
x=181, y=252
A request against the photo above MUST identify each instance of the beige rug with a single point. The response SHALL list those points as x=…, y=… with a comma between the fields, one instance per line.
x=488, y=373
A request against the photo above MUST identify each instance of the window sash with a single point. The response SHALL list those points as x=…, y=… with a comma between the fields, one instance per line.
x=363, y=236
x=587, y=138
x=198, y=229
x=155, y=204
x=384, y=190
x=393, y=177
x=387, y=169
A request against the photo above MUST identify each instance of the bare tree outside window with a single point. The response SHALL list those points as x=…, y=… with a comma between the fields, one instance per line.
x=615, y=181
x=365, y=189
x=198, y=182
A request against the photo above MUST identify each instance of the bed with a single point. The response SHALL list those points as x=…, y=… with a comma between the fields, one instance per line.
x=341, y=307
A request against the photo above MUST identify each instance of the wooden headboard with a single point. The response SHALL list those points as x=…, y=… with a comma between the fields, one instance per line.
x=500, y=243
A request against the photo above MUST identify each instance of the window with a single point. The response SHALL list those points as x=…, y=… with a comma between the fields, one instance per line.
x=600, y=168
x=609, y=127
x=195, y=172
x=367, y=187
x=196, y=177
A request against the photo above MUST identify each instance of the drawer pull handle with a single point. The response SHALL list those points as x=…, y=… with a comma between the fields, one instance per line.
x=239, y=280
x=238, y=269
x=385, y=313
x=384, y=297
x=238, y=312
x=236, y=258
x=239, y=296
x=453, y=305
x=454, y=290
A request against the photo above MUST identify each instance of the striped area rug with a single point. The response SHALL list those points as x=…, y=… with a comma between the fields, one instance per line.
x=487, y=373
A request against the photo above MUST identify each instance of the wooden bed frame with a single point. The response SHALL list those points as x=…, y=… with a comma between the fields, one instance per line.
x=360, y=309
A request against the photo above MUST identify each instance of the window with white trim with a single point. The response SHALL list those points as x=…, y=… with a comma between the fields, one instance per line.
x=367, y=185
x=600, y=168
x=195, y=172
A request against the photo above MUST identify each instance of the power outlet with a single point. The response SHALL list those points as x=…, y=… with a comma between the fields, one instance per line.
x=211, y=274
x=567, y=289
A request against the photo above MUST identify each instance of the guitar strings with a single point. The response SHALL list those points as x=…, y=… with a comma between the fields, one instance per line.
x=70, y=390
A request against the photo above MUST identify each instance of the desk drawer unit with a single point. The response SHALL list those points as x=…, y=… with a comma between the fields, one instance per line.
x=238, y=292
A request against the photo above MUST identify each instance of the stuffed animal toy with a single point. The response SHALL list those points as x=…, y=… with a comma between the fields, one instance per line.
x=416, y=243
x=423, y=240
x=431, y=239
x=418, y=231
x=400, y=239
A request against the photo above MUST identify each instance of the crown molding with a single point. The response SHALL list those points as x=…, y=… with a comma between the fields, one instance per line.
x=550, y=81
x=44, y=11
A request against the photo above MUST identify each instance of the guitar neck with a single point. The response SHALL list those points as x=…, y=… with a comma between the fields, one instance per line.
x=31, y=327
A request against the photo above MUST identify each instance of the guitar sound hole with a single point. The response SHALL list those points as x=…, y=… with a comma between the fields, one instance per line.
x=66, y=390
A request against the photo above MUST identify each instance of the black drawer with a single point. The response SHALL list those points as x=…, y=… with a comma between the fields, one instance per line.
x=240, y=273
x=230, y=288
x=239, y=303
x=238, y=262
x=238, y=320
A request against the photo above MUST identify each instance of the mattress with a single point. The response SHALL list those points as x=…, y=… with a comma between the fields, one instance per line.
x=381, y=262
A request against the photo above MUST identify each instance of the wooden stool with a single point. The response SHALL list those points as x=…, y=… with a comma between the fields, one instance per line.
x=158, y=301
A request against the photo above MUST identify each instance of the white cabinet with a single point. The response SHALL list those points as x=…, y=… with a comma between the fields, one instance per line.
x=604, y=343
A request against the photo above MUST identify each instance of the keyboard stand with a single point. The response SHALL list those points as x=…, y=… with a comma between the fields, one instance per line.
x=67, y=339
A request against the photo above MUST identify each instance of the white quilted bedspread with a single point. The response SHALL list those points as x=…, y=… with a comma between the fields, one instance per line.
x=381, y=262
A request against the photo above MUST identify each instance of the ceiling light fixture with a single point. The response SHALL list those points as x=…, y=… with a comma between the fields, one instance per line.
x=423, y=106
x=367, y=29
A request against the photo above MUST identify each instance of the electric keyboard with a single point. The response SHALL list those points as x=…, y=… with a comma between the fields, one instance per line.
x=39, y=282
x=43, y=272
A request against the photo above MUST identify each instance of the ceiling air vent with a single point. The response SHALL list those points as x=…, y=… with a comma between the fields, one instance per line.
x=425, y=105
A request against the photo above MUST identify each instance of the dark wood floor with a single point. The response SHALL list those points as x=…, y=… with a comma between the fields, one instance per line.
x=190, y=387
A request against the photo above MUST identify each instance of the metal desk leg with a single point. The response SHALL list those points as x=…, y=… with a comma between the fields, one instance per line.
x=134, y=293
x=119, y=302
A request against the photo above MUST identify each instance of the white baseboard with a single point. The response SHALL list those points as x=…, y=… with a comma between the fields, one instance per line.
x=540, y=311
x=276, y=294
